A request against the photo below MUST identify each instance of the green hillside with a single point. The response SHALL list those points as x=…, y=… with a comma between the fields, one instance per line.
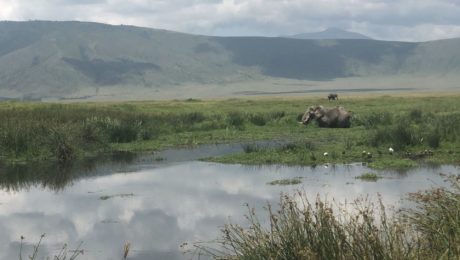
x=54, y=59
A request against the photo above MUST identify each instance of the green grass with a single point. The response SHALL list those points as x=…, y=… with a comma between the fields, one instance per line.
x=301, y=229
x=368, y=176
x=65, y=132
x=393, y=163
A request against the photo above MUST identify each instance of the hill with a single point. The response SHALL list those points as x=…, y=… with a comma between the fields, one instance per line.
x=330, y=34
x=61, y=59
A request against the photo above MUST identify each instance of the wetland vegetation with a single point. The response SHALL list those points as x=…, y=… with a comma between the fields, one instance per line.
x=368, y=176
x=303, y=229
x=416, y=127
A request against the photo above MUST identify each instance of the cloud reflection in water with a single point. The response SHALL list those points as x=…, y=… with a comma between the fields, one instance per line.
x=171, y=204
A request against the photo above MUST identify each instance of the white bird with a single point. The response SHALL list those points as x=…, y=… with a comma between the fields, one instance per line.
x=326, y=154
x=390, y=150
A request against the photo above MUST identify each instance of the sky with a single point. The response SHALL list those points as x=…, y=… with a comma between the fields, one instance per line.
x=405, y=20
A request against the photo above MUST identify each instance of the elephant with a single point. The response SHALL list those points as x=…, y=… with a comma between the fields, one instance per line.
x=336, y=117
x=333, y=96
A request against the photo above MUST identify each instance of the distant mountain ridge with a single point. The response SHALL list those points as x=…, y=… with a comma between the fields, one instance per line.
x=55, y=59
x=330, y=34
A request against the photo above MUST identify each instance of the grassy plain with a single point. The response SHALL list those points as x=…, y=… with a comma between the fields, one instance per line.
x=417, y=127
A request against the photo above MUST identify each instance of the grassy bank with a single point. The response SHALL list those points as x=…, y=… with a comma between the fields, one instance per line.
x=301, y=229
x=418, y=127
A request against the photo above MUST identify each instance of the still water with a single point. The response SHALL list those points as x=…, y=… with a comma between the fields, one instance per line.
x=158, y=201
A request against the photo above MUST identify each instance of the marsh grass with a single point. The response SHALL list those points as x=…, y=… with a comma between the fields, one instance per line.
x=368, y=176
x=373, y=119
x=309, y=145
x=417, y=129
x=257, y=119
x=436, y=218
x=65, y=132
x=236, y=119
x=276, y=115
x=300, y=229
x=251, y=148
x=393, y=164
x=63, y=254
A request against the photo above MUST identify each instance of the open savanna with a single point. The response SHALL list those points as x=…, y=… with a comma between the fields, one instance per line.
x=416, y=126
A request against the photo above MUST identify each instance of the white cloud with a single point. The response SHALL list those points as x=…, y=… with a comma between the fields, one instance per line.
x=414, y=20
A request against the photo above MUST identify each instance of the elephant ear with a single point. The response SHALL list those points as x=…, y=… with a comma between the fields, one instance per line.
x=318, y=112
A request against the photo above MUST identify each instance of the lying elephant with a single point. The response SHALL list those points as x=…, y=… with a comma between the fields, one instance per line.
x=333, y=96
x=336, y=117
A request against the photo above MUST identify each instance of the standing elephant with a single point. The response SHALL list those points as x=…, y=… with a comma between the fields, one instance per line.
x=333, y=96
x=336, y=117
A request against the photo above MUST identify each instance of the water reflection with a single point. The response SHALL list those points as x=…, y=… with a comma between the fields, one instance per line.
x=173, y=200
x=56, y=176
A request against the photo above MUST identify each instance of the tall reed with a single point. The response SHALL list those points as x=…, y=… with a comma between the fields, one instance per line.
x=300, y=229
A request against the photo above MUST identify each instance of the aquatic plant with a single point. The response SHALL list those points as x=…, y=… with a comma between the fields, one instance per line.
x=62, y=254
x=436, y=219
x=251, y=148
x=303, y=230
x=126, y=248
x=368, y=176
x=300, y=229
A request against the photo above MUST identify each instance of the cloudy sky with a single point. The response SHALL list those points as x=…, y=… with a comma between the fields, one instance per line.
x=406, y=20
